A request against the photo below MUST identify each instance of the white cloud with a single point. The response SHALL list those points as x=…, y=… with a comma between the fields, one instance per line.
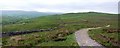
x=60, y=5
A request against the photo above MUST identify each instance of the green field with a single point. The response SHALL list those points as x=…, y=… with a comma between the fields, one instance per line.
x=64, y=36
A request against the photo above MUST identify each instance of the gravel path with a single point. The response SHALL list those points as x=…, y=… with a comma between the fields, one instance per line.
x=83, y=38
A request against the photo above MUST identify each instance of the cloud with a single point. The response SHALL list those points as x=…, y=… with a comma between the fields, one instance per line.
x=60, y=5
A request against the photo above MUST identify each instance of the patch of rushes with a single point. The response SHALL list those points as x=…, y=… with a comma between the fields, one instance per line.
x=105, y=38
x=61, y=36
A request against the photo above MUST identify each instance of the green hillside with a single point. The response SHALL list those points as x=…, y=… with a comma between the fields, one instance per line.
x=64, y=36
x=74, y=19
x=11, y=16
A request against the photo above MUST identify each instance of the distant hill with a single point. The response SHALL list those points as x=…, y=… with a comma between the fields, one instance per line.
x=9, y=16
x=19, y=13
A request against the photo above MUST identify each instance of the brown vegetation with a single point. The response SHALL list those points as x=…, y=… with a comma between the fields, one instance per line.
x=112, y=30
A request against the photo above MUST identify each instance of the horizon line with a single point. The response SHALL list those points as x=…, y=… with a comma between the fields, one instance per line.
x=66, y=12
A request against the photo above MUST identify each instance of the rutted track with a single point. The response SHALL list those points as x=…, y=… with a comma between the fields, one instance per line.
x=5, y=34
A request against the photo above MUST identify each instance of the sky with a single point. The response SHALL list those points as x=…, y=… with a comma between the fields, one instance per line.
x=64, y=6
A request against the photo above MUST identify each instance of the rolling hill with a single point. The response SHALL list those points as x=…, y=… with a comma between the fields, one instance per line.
x=66, y=25
x=12, y=16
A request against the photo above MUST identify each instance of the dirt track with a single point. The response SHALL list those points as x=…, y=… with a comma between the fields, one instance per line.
x=83, y=38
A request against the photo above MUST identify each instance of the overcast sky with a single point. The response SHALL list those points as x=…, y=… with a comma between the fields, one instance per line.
x=108, y=6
